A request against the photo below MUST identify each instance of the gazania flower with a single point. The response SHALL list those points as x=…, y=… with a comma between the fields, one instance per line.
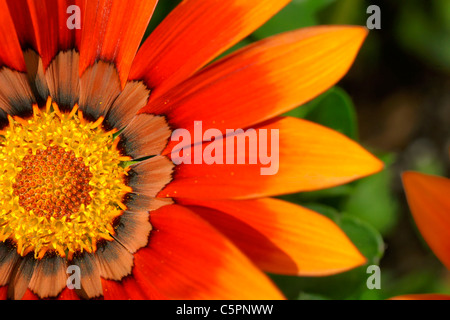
x=86, y=174
x=428, y=198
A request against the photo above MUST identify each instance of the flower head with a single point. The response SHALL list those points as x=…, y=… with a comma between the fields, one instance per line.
x=87, y=177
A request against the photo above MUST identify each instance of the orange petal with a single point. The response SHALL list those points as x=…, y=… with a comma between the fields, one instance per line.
x=281, y=237
x=11, y=54
x=188, y=259
x=429, y=296
x=428, y=198
x=263, y=80
x=21, y=16
x=3, y=293
x=193, y=34
x=127, y=289
x=113, y=290
x=29, y=295
x=68, y=294
x=311, y=157
x=49, y=24
x=112, y=31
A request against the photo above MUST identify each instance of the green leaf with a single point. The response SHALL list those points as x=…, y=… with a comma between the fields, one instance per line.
x=430, y=279
x=347, y=285
x=303, y=110
x=426, y=33
x=309, y=296
x=372, y=200
x=126, y=164
x=161, y=11
x=297, y=14
x=350, y=12
x=366, y=238
x=243, y=43
x=327, y=211
x=333, y=109
x=336, y=111
x=332, y=197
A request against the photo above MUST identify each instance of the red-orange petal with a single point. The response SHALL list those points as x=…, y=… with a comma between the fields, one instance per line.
x=112, y=31
x=281, y=237
x=49, y=24
x=11, y=55
x=188, y=259
x=193, y=34
x=29, y=295
x=428, y=198
x=127, y=289
x=68, y=294
x=311, y=157
x=20, y=13
x=263, y=80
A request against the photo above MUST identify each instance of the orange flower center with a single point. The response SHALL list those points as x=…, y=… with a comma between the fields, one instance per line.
x=53, y=183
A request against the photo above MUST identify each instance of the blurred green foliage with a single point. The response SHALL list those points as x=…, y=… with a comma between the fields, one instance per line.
x=297, y=14
x=333, y=109
x=367, y=210
x=424, y=29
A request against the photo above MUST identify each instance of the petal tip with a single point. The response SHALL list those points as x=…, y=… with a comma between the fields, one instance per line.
x=411, y=177
x=355, y=259
x=372, y=164
x=378, y=165
x=356, y=31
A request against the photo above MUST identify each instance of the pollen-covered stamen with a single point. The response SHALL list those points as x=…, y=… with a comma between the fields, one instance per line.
x=62, y=182
x=53, y=183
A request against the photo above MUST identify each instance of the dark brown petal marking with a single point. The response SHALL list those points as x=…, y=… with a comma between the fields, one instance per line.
x=21, y=277
x=133, y=230
x=16, y=96
x=91, y=284
x=139, y=202
x=146, y=135
x=8, y=259
x=49, y=277
x=115, y=262
x=149, y=177
x=3, y=119
x=63, y=79
x=133, y=98
x=35, y=74
x=99, y=87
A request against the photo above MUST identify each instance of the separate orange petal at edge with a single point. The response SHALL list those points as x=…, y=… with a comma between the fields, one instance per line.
x=429, y=200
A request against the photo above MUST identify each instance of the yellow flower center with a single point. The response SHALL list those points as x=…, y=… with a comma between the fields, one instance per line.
x=61, y=183
x=53, y=183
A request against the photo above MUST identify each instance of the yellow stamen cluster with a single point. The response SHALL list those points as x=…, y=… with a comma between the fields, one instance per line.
x=61, y=182
x=53, y=183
